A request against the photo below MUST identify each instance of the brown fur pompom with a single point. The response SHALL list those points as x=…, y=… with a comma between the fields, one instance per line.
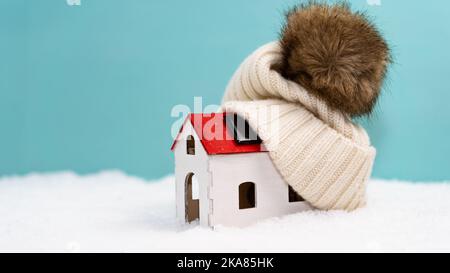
x=335, y=54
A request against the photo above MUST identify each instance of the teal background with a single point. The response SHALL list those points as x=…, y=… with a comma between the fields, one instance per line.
x=91, y=87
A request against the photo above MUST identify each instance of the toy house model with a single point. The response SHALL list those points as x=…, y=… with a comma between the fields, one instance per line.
x=227, y=178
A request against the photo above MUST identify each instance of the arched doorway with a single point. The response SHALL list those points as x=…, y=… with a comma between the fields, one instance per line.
x=191, y=197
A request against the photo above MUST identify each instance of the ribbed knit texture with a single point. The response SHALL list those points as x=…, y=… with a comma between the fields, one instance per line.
x=321, y=153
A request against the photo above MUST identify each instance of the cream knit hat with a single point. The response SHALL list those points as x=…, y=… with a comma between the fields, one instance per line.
x=319, y=152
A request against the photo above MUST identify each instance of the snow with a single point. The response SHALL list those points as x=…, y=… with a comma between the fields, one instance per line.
x=113, y=212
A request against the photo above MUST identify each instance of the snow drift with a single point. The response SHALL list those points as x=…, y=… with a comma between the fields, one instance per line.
x=113, y=212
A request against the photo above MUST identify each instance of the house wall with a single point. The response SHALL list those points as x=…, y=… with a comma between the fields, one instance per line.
x=197, y=164
x=272, y=199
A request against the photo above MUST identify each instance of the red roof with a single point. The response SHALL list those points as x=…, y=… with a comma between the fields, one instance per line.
x=215, y=137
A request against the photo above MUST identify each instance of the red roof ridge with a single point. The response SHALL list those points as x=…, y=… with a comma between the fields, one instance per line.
x=214, y=135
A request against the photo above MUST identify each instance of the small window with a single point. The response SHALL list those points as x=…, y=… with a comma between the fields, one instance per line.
x=242, y=133
x=294, y=196
x=247, y=195
x=190, y=145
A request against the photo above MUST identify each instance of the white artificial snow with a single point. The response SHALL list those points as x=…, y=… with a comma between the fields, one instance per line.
x=113, y=212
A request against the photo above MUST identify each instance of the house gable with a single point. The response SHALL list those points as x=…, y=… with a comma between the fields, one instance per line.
x=194, y=166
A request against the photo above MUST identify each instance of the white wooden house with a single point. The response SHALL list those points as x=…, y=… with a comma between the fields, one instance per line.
x=226, y=179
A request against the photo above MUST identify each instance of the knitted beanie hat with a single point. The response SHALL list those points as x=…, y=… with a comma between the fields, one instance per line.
x=291, y=99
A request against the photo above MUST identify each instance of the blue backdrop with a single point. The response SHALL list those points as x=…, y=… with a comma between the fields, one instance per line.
x=91, y=87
